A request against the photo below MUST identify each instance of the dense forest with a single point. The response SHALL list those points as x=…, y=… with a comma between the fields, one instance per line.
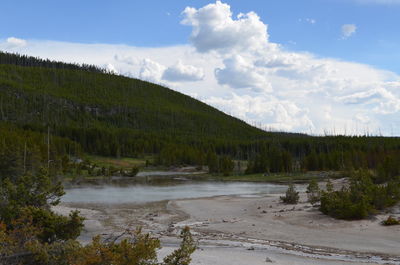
x=49, y=110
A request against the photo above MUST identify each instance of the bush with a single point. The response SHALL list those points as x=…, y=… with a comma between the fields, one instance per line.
x=32, y=195
x=134, y=171
x=361, y=198
x=21, y=246
x=313, y=192
x=291, y=196
x=31, y=234
x=391, y=221
x=329, y=186
x=340, y=204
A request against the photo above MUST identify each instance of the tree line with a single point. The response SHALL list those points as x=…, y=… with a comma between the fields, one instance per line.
x=29, y=61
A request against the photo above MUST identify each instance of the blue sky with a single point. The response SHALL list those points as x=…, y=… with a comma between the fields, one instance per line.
x=327, y=66
x=156, y=23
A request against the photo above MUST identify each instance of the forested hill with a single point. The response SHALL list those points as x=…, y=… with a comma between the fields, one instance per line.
x=86, y=99
x=111, y=115
x=52, y=110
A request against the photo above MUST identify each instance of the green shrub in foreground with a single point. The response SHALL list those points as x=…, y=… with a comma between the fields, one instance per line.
x=361, y=198
x=32, y=234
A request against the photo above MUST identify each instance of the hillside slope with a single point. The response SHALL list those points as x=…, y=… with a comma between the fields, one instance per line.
x=83, y=109
x=77, y=98
x=109, y=114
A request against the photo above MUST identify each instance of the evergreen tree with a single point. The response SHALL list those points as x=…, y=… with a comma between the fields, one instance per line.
x=313, y=192
x=291, y=196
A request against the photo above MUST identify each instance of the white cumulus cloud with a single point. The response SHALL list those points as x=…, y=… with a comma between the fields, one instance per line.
x=151, y=70
x=239, y=73
x=214, y=28
x=183, y=73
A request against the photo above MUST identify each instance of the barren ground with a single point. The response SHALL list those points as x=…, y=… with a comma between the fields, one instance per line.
x=250, y=230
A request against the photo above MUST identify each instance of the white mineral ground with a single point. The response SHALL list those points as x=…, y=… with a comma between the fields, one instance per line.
x=250, y=230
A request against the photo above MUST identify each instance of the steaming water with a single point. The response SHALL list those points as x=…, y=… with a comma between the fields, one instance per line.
x=142, y=193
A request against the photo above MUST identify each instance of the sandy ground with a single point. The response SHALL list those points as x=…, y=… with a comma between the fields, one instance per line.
x=301, y=228
x=266, y=218
x=241, y=256
x=251, y=230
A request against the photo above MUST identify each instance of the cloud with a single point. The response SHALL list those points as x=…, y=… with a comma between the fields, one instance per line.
x=151, y=71
x=380, y=98
x=348, y=30
x=111, y=68
x=13, y=42
x=213, y=28
x=126, y=59
x=183, y=73
x=281, y=115
x=276, y=60
x=239, y=73
x=362, y=117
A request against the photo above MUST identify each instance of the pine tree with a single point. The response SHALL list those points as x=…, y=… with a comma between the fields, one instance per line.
x=291, y=196
x=313, y=192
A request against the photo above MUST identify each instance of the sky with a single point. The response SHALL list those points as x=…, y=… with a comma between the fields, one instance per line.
x=312, y=66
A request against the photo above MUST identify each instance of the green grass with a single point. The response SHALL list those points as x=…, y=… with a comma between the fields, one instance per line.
x=281, y=177
x=124, y=162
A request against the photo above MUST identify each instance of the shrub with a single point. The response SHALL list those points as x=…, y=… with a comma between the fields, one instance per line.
x=361, y=198
x=21, y=246
x=291, y=196
x=340, y=204
x=313, y=192
x=31, y=234
x=133, y=172
x=391, y=221
x=329, y=186
x=32, y=195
